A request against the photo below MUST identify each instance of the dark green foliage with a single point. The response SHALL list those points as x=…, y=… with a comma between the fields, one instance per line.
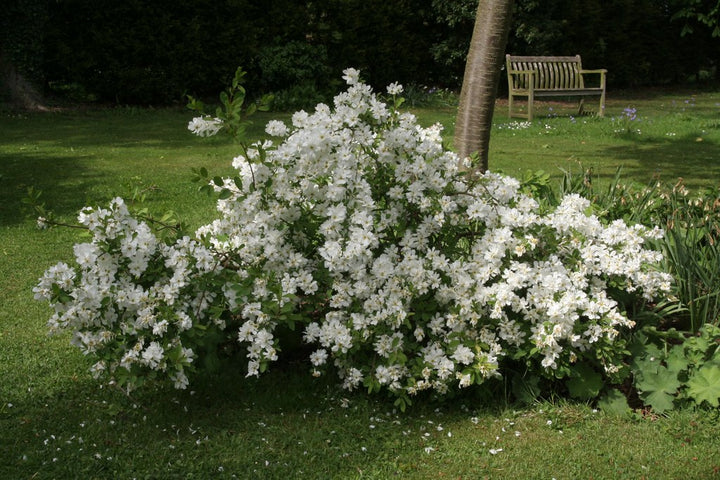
x=694, y=13
x=284, y=64
x=456, y=19
x=387, y=41
x=297, y=72
x=140, y=52
x=148, y=52
x=22, y=24
x=155, y=52
x=637, y=41
x=671, y=369
x=304, y=96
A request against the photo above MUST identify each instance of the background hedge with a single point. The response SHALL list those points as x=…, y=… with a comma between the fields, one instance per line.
x=155, y=52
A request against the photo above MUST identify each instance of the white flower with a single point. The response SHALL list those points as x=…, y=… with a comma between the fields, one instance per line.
x=160, y=328
x=153, y=355
x=394, y=88
x=180, y=380
x=319, y=357
x=351, y=76
x=276, y=128
x=205, y=126
x=463, y=355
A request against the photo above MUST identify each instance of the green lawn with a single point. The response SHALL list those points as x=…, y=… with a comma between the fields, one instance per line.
x=56, y=422
x=674, y=135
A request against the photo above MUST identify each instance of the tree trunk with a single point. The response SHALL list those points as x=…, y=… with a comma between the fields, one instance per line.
x=482, y=73
x=20, y=92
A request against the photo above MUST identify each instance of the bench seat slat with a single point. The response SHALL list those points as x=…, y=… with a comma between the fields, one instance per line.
x=563, y=92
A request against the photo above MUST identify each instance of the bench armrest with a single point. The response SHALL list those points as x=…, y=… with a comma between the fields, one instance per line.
x=601, y=72
x=520, y=73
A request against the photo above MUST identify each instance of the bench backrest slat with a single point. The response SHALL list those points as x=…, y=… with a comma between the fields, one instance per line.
x=552, y=72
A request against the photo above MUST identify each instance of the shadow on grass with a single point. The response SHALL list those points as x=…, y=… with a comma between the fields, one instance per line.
x=64, y=182
x=271, y=427
x=70, y=157
x=695, y=159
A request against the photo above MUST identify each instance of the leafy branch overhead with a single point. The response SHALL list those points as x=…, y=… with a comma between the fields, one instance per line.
x=232, y=115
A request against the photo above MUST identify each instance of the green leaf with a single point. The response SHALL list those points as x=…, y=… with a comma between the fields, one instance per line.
x=696, y=349
x=402, y=403
x=240, y=95
x=195, y=104
x=266, y=102
x=252, y=108
x=224, y=99
x=614, y=402
x=658, y=389
x=585, y=383
x=648, y=360
x=526, y=388
x=238, y=183
x=239, y=77
x=676, y=360
x=704, y=386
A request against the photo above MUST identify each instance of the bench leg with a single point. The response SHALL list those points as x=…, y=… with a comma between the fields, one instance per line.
x=510, y=105
x=601, y=108
x=531, y=101
x=581, y=106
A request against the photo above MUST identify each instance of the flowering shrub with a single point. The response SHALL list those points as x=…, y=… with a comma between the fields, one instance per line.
x=405, y=271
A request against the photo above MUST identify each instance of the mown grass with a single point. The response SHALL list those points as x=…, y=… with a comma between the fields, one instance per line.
x=56, y=422
x=674, y=136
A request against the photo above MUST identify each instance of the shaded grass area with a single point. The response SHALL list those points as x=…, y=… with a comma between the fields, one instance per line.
x=288, y=425
x=81, y=158
x=56, y=422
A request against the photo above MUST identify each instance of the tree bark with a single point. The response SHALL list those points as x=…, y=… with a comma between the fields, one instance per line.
x=482, y=73
x=20, y=92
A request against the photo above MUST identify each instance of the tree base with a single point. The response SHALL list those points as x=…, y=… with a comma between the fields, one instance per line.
x=19, y=91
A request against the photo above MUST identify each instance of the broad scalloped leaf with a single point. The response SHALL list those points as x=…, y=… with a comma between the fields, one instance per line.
x=614, y=403
x=658, y=389
x=676, y=359
x=526, y=388
x=696, y=349
x=647, y=358
x=585, y=383
x=705, y=385
x=658, y=400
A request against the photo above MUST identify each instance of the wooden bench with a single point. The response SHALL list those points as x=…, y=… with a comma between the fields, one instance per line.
x=542, y=77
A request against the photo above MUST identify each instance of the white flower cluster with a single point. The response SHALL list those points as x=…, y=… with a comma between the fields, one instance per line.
x=131, y=297
x=408, y=273
x=205, y=126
